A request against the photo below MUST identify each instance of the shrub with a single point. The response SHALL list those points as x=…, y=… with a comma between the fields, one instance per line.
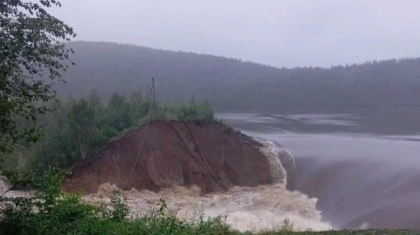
x=51, y=211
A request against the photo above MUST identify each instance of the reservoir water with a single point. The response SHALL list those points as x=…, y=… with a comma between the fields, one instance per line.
x=363, y=166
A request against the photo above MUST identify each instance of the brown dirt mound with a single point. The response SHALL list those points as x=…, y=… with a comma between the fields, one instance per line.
x=209, y=155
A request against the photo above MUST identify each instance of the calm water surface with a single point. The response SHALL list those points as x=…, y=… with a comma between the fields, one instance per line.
x=362, y=165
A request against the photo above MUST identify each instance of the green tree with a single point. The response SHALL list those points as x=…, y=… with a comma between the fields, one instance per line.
x=205, y=111
x=120, y=112
x=81, y=121
x=95, y=101
x=31, y=48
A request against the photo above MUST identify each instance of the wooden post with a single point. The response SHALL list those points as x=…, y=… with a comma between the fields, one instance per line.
x=153, y=89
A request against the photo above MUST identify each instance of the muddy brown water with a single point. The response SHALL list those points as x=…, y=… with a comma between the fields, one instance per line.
x=363, y=166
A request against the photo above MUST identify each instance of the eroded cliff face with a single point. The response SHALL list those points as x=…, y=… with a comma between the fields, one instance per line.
x=209, y=155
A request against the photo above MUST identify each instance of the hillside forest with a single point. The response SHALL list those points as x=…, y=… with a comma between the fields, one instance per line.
x=232, y=84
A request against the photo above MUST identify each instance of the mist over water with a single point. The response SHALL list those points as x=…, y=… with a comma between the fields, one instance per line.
x=363, y=166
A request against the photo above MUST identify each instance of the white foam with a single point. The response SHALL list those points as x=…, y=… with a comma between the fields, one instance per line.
x=255, y=209
x=278, y=173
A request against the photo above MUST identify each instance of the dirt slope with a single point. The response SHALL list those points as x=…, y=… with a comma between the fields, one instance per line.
x=210, y=155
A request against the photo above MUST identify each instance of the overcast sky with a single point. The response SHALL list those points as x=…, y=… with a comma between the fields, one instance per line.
x=276, y=32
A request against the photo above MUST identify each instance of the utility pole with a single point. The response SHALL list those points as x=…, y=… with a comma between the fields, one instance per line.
x=153, y=90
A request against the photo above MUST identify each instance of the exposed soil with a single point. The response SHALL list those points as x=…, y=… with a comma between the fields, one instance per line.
x=209, y=155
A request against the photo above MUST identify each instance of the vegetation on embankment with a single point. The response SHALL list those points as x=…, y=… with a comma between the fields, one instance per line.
x=50, y=211
x=74, y=129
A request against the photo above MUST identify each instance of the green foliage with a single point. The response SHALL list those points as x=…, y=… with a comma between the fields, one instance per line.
x=48, y=211
x=120, y=112
x=77, y=128
x=287, y=227
x=81, y=125
x=205, y=111
x=163, y=221
x=190, y=111
x=31, y=47
x=118, y=210
x=52, y=211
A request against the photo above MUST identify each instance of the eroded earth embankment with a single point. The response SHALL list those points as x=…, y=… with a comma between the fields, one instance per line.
x=209, y=155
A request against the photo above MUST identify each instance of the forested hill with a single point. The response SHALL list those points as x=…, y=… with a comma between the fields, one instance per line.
x=234, y=84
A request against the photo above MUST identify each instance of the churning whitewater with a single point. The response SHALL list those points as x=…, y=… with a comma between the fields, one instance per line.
x=244, y=208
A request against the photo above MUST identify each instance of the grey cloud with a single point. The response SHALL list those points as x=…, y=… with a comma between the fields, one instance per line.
x=280, y=33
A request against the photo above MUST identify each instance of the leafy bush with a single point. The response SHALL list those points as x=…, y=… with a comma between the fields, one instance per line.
x=118, y=210
x=47, y=211
x=51, y=211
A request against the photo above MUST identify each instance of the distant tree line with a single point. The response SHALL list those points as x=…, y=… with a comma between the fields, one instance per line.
x=77, y=127
x=234, y=84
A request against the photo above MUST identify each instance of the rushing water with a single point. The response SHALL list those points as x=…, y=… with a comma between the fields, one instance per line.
x=355, y=168
x=264, y=207
x=362, y=165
